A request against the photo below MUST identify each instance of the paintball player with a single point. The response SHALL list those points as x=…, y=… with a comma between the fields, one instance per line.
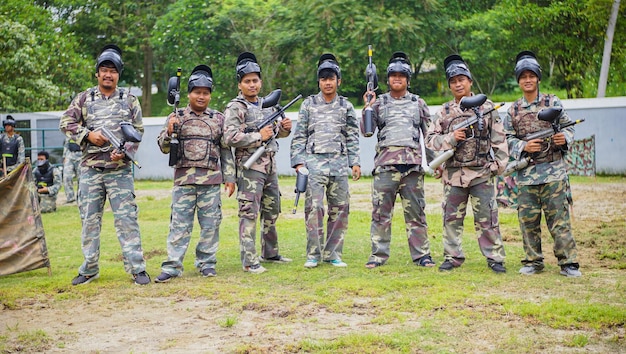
x=326, y=142
x=480, y=153
x=257, y=187
x=105, y=171
x=48, y=182
x=543, y=184
x=203, y=164
x=401, y=119
x=11, y=147
x=71, y=163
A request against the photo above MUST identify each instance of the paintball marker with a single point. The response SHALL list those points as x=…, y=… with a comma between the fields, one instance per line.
x=472, y=102
x=272, y=119
x=550, y=115
x=372, y=85
x=129, y=134
x=173, y=98
x=301, y=183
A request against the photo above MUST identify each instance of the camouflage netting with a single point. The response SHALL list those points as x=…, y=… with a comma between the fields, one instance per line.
x=581, y=161
x=22, y=238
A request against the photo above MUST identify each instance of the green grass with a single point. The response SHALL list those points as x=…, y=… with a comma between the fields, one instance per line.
x=420, y=310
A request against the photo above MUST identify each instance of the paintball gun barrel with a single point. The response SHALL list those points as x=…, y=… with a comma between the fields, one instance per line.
x=273, y=120
x=173, y=98
x=372, y=84
x=302, y=179
x=129, y=134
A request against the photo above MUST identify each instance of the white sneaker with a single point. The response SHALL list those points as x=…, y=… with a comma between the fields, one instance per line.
x=310, y=263
x=255, y=269
x=338, y=263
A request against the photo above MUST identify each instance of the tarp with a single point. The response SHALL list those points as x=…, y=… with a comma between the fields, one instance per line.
x=22, y=238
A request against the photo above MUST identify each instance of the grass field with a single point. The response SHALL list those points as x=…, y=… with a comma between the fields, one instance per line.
x=397, y=308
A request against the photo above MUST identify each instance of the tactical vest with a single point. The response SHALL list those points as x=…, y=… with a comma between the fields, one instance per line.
x=474, y=150
x=327, y=126
x=45, y=179
x=399, y=122
x=255, y=115
x=98, y=112
x=199, y=140
x=9, y=150
x=526, y=122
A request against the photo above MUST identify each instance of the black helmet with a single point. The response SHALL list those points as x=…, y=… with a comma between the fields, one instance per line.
x=111, y=53
x=455, y=65
x=328, y=62
x=201, y=76
x=527, y=60
x=9, y=121
x=399, y=63
x=246, y=64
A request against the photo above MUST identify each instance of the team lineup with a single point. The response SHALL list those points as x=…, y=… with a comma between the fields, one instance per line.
x=467, y=143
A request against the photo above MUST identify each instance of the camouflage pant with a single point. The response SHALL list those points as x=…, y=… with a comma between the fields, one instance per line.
x=552, y=198
x=338, y=199
x=385, y=187
x=47, y=203
x=71, y=165
x=94, y=187
x=185, y=200
x=485, y=209
x=257, y=193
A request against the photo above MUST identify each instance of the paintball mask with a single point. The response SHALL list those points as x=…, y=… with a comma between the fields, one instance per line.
x=455, y=65
x=111, y=53
x=328, y=62
x=9, y=121
x=201, y=76
x=246, y=64
x=399, y=63
x=527, y=60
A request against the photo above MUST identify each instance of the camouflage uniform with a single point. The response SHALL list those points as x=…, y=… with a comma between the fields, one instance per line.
x=13, y=150
x=71, y=162
x=257, y=187
x=203, y=164
x=326, y=141
x=470, y=173
x=48, y=201
x=101, y=177
x=543, y=185
x=398, y=170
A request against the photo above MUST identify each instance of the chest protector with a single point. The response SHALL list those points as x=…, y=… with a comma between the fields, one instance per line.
x=199, y=139
x=101, y=112
x=525, y=122
x=327, y=126
x=474, y=151
x=9, y=150
x=255, y=115
x=45, y=179
x=399, y=122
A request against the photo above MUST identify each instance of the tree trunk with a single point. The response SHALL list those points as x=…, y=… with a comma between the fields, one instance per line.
x=608, y=44
x=146, y=81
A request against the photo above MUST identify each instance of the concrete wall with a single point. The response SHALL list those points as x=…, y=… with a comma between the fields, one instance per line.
x=605, y=118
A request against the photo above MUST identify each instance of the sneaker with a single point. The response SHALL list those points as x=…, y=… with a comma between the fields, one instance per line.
x=338, y=263
x=497, y=267
x=570, y=271
x=530, y=270
x=84, y=279
x=164, y=278
x=276, y=259
x=256, y=269
x=310, y=263
x=208, y=272
x=141, y=278
x=446, y=266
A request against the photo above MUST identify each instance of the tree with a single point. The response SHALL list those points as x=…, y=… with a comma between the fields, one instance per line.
x=608, y=43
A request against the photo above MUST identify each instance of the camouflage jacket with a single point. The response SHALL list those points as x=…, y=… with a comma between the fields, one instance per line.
x=334, y=128
x=440, y=137
x=240, y=132
x=89, y=111
x=540, y=173
x=389, y=157
x=189, y=174
x=5, y=143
